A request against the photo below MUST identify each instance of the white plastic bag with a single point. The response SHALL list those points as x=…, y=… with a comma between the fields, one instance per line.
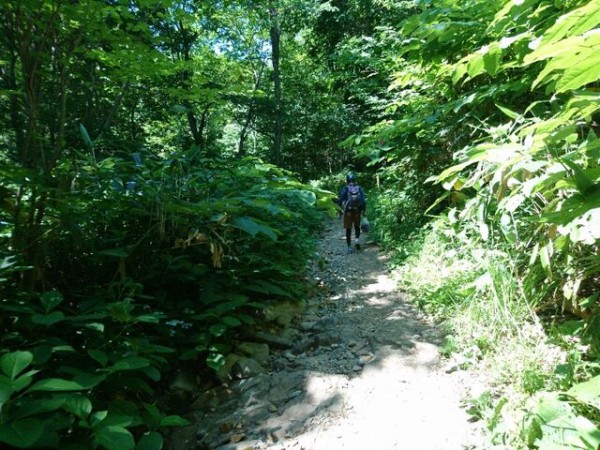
x=364, y=224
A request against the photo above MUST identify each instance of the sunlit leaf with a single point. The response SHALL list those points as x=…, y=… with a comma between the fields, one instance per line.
x=587, y=392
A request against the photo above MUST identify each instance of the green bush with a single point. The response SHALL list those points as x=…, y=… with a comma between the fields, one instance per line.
x=149, y=265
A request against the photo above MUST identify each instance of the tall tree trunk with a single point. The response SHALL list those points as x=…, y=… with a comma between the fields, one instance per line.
x=43, y=54
x=187, y=40
x=249, y=115
x=275, y=38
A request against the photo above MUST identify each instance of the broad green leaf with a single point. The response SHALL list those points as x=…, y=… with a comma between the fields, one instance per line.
x=476, y=65
x=508, y=112
x=231, y=321
x=252, y=227
x=545, y=260
x=583, y=105
x=551, y=51
x=85, y=136
x=131, y=363
x=97, y=417
x=99, y=356
x=583, y=182
x=308, y=197
x=575, y=59
x=587, y=431
x=12, y=364
x=574, y=207
x=150, y=318
x=549, y=407
x=56, y=384
x=459, y=72
x=574, y=22
x=583, y=71
x=6, y=390
x=114, y=437
x=174, y=421
x=78, y=405
x=218, y=329
x=153, y=373
x=23, y=381
x=155, y=414
x=562, y=134
x=38, y=407
x=266, y=287
x=89, y=380
x=587, y=392
x=51, y=300
x=48, y=319
x=96, y=326
x=116, y=252
x=150, y=441
x=22, y=433
x=215, y=361
x=492, y=59
x=464, y=101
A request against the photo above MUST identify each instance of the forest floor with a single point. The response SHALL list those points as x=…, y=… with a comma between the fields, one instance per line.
x=372, y=376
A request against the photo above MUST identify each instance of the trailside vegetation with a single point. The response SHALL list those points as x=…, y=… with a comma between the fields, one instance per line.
x=155, y=197
x=493, y=108
x=142, y=227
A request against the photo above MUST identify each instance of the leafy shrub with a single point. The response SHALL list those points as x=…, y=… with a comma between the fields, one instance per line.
x=148, y=265
x=88, y=377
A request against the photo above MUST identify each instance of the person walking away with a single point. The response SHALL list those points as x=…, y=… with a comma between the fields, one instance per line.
x=353, y=202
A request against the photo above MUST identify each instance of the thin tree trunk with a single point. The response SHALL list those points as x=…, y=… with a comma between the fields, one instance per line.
x=249, y=116
x=275, y=41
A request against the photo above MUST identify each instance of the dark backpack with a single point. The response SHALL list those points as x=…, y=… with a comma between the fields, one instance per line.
x=353, y=202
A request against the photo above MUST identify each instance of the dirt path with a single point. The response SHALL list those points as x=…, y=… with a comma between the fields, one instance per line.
x=402, y=398
x=362, y=371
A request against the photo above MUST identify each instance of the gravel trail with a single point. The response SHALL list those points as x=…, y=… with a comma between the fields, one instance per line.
x=403, y=397
x=357, y=368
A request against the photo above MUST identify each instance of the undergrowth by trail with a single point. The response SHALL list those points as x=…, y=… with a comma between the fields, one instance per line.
x=542, y=384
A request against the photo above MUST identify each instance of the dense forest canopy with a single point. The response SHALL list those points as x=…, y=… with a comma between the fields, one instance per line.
x=165, y=165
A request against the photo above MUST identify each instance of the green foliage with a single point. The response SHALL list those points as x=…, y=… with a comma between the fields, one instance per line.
x=168, y=259
x=477, y=296
x=553, y=421
x=75, y=392
x=496, y=104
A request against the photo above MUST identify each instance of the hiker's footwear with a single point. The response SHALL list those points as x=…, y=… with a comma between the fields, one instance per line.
x=357, y=244
x=350, y=250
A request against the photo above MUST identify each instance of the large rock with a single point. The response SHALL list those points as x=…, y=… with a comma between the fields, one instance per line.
x=273, y=340
x=246, y=368
x=284, y=312
x=224, y=372
x=259, y=352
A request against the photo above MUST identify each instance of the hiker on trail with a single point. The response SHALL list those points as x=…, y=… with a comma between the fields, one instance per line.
x=353, y=202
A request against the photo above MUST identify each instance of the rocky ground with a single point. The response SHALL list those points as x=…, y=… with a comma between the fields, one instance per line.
x=354, y=367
